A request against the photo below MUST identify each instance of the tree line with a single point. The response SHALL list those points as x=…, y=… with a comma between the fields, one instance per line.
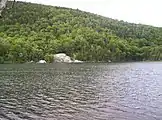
x=33, y=32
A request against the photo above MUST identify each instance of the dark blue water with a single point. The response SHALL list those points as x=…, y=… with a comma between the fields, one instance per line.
x=90, y=91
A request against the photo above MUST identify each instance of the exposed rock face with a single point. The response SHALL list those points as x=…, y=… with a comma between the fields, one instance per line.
x=62, y=57
x=2, y=5
x=42, y=61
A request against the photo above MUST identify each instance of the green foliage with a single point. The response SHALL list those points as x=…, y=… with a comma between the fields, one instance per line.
x=1, y=60
x=33, y=32
x=49, y=58
x=4, y=50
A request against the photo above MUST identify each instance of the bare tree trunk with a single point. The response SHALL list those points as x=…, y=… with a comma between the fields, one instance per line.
x=2, y=6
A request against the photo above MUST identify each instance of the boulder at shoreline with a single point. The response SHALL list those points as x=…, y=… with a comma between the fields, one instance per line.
x=63, y=58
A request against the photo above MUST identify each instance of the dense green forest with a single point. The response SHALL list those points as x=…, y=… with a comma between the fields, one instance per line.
x=33, y=32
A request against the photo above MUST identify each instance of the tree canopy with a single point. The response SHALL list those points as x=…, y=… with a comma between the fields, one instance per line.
x=33, y=32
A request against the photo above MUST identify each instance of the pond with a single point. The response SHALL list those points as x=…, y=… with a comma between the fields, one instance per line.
x=89, y=91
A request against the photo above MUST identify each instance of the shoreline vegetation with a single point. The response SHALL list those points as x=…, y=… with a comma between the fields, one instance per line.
x=34, y=32
x=84, y=62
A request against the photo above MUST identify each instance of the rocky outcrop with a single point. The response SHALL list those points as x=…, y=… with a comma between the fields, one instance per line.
x=2, y=6
x=62, y=57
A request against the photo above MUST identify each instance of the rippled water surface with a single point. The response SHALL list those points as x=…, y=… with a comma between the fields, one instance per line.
x=120, y=91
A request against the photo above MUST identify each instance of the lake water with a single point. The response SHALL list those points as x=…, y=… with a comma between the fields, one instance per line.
x=90, y=91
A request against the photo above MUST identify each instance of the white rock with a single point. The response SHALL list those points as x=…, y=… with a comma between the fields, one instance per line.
x=109, y=61
x=31, y=61
x=62, y=57
x=77, y=61
x=2, y=6
x=67, y=59
x=42, y=61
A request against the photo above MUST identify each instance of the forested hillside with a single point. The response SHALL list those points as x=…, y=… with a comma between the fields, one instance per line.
x=33, y=32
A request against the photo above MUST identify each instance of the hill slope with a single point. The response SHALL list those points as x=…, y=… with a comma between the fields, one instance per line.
x=33, y=32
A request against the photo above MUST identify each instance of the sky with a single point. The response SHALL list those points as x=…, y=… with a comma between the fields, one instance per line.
x=147, y=12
